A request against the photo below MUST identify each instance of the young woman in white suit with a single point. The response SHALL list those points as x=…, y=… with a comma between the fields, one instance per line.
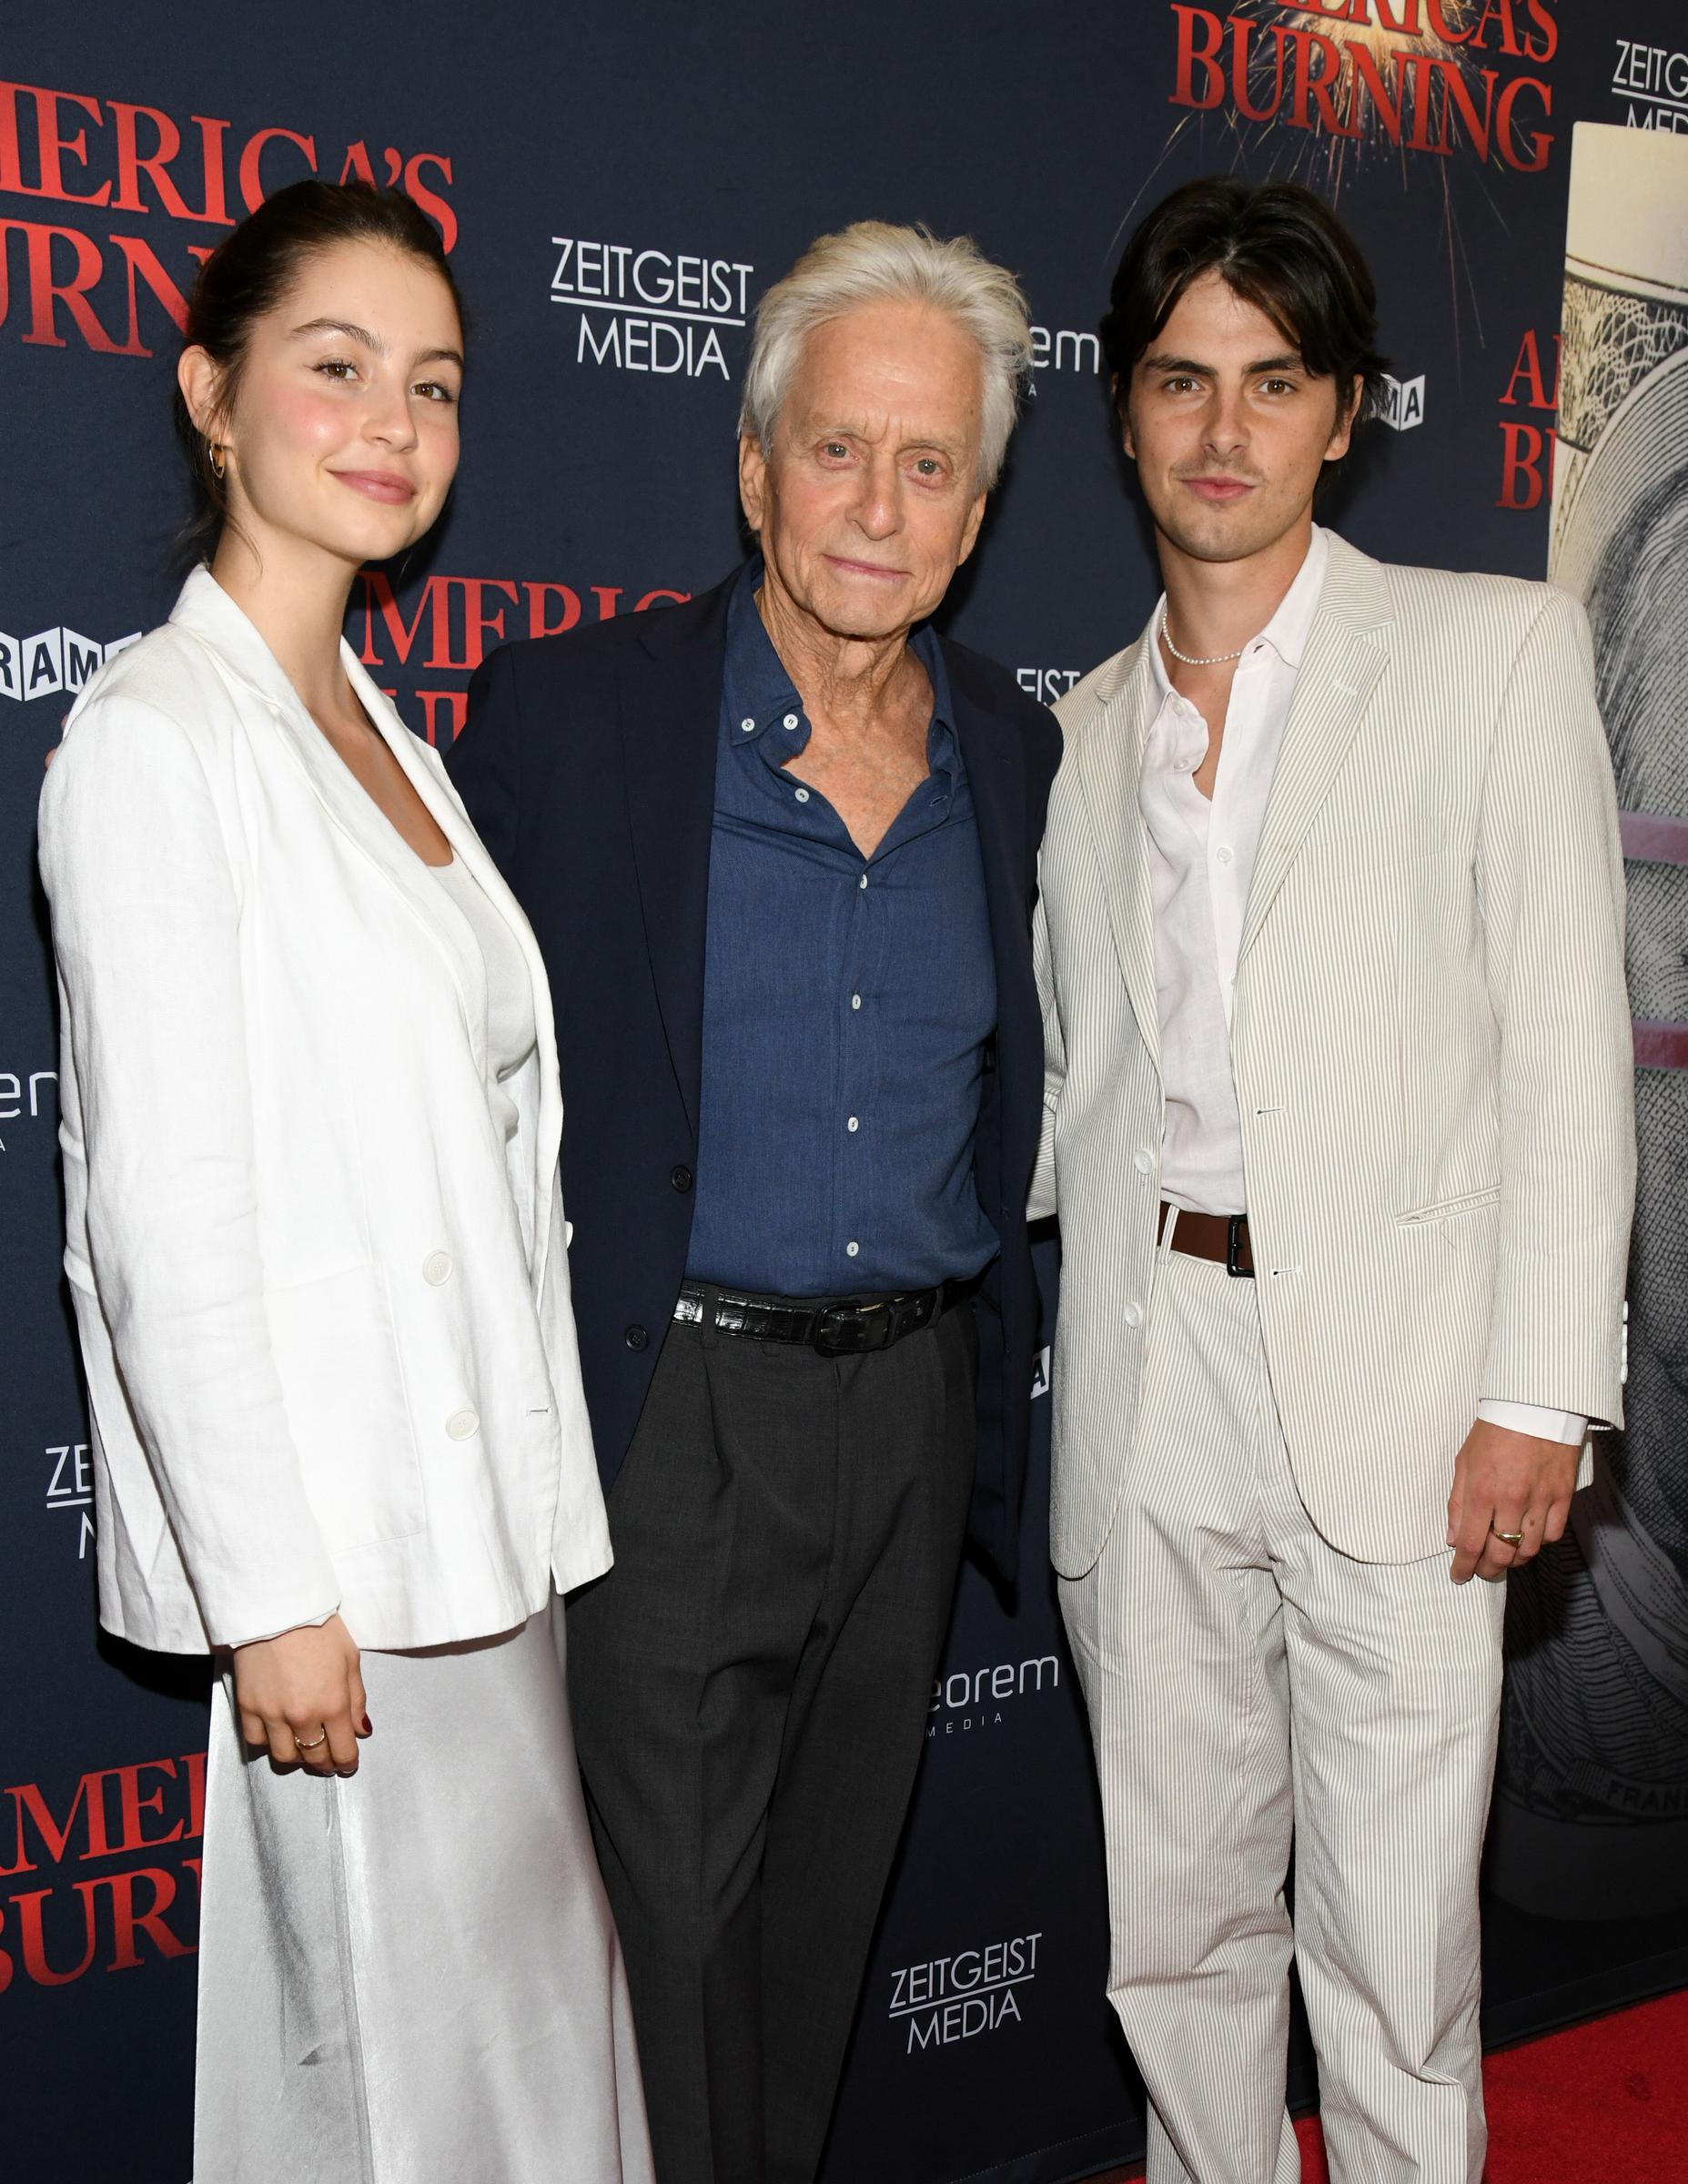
x=318, y=1256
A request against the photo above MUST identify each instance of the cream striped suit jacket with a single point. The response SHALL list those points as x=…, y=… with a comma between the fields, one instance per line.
x=1430, y=1043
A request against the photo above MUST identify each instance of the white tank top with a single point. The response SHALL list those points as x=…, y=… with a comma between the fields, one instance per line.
x=511, y=1034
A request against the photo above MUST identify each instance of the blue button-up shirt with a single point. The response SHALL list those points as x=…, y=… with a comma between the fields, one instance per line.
x=848, y=1003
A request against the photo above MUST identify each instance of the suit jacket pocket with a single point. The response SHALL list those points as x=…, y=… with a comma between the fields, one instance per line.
x=337, y=1353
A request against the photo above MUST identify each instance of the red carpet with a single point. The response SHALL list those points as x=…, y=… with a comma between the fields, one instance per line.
x=1604, y=2103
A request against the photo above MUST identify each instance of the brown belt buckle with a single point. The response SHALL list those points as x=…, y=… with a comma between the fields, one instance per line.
x=1235, y=1237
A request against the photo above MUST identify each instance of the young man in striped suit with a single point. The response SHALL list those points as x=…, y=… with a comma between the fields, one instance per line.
x=1339, y=1129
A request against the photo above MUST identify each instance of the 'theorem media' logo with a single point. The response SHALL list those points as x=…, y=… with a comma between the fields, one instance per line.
x=967, y=1699
x=663, y=311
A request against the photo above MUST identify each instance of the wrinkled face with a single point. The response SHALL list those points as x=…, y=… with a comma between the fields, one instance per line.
x=1227, y=427
x=343, y=433
x=869, y=499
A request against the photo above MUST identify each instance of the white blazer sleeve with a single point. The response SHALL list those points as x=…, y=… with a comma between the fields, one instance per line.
x=1550, y=876
x=146, y=925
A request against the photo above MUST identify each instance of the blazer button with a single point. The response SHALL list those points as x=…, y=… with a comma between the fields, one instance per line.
x=1143, y=1162
x=1134, y=1315
x=437, y=1267
x=462, y=1425
x=636, y=1338
x=681, y=1178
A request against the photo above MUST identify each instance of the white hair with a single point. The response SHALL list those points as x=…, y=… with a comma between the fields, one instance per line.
x=874, y=262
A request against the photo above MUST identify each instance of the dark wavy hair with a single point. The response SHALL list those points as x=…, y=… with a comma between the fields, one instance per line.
x=1278, y=247
x=249, y=272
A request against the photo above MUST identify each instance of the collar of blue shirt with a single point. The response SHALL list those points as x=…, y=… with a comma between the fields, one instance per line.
x=762, y=700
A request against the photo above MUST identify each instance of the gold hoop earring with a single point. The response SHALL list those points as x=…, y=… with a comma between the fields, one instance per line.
x=220, y=461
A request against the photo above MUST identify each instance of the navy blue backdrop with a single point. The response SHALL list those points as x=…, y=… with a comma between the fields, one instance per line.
x=618, y=186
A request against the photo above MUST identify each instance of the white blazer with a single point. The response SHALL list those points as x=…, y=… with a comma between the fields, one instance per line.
x=323, y=1368
x=1430, y=1043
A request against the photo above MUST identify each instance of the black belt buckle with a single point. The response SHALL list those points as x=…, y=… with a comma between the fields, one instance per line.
x=1233, y=1237
x=848, y=1331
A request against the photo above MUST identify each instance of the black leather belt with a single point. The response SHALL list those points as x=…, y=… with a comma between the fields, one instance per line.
x=1220, y=1237
x=838, y=1327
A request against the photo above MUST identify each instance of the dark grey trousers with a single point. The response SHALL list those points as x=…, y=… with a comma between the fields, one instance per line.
x=749, y=1686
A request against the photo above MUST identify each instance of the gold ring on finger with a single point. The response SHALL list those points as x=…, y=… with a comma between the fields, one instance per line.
x=1513, y=1538
x=304, y=1744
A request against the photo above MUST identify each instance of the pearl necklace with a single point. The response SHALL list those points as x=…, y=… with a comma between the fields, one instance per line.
x=1193, y=659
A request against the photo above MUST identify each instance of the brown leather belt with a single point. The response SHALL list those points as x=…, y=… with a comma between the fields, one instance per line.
x=1220, y=1237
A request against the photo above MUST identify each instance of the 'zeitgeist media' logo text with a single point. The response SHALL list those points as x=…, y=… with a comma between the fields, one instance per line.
x=100, y=285
x=663, y=311
x=70, y=1486
x=958, y=1997
x=1653, y=83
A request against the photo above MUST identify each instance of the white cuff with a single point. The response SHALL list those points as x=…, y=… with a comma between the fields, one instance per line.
x=1563, y=1426
x=313, y=1623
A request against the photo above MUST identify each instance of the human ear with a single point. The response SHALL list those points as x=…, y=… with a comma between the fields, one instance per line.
x=200, y=381
x=753, y=478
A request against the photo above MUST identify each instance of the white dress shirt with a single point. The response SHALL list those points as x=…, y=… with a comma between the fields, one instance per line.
x=1201, y=854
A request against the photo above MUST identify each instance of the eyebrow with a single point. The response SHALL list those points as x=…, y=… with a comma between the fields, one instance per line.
x=373, y=341
x=1291, y=360
x=342, y=326
x=905, y=447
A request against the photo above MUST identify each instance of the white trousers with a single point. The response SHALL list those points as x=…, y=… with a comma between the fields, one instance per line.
x=411, y=1976
x=1247, y=1685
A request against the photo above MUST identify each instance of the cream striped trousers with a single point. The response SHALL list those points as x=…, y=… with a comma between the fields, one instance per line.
x=1247, y=1685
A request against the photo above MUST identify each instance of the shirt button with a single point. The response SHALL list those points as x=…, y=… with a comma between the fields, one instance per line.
x=1223, y=855
x=855, y=1000
x=790, y=721
x=636, y=1338
x=1134, y=1315
x=681, y=1176
x=803, y=795
x=462, y=1425
x=1143, y=1162
x=851, y=1250
x=437, y=1267
x=853, y=1124
x=747, y=725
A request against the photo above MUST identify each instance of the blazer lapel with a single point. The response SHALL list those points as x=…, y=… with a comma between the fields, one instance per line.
x=1346, y=654
x=1110, y=758
x=669, y=704
x=996, y=776
x=206, y=609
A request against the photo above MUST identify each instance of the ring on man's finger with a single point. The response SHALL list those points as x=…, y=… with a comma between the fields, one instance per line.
x=1512, y=1539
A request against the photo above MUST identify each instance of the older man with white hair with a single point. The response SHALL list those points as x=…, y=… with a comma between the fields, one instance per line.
x=779, y=845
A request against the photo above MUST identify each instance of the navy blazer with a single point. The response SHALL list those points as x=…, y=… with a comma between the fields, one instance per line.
x=588, y=766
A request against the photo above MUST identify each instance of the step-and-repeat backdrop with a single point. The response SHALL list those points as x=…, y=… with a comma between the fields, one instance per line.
x=617, y=188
